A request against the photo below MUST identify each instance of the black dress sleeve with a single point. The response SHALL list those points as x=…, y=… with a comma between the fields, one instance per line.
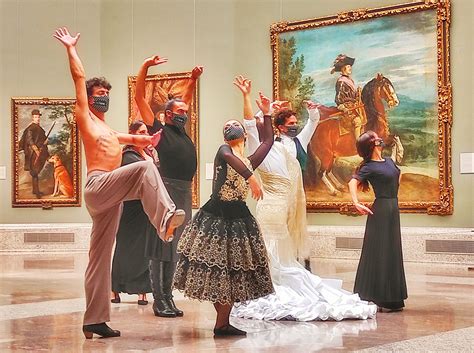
x=363, y=173
x=225, y=153
x=157, y=126
x=267, y=141
x=392, y=162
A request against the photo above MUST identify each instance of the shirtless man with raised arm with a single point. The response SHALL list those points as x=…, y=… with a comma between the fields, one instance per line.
x=108, y=185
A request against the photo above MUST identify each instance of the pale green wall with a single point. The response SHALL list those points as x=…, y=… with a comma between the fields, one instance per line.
x=231, y=37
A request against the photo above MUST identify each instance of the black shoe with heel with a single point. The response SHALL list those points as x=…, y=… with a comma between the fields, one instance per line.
x=173, y=307
x=99, y=329
x=229, y=330
x=115, y=299
x=162, y=309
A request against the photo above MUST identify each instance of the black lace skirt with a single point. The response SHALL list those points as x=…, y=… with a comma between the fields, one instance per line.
x=223, y=257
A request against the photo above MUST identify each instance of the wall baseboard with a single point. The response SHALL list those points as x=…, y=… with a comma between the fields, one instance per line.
x=420, y=244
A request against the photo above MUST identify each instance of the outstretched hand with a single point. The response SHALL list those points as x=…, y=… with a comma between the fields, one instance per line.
x=155, y=60
x=263, y=103
x=363, y=209
x=310, y=104
x=62, y=34
x=197, y=72
x=242, y=83
x=156, y=138
x=280, y=105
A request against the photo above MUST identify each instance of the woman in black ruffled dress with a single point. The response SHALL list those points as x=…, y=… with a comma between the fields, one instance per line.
x=380, y=275
x=222, y=253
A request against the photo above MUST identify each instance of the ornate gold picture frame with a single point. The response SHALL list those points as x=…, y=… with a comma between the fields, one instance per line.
x=401, y=57
x=46, y=161
x=158, y=89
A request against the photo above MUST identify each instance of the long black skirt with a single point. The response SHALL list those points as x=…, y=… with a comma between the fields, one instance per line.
x=130, y=273
x=223, y=258
x=380, y=275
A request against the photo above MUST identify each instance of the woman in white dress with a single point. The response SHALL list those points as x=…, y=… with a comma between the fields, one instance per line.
x=281, y=214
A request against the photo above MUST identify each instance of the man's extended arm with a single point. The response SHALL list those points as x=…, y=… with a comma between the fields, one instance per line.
x=139, y=140
x=143, y=106
x=78, y=75
x=187, y=96
x=313, y=119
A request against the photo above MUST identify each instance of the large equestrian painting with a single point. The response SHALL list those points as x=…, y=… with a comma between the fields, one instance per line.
x=385, y=70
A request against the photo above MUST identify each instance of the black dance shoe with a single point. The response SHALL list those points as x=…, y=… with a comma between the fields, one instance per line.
x=99, y=329
x=142, y=302
x=162, y=309
x=388, y=310
x=229, y=330
x=115, y=299
x=173, y=307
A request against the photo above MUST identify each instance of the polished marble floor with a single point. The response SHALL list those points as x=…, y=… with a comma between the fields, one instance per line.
x=42, y=301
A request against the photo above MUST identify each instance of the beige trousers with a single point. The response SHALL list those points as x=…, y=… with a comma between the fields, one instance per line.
x=104, y=194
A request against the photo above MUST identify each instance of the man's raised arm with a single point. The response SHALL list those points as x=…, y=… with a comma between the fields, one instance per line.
x=187, y=96
x=143, y=106
x=78, y=74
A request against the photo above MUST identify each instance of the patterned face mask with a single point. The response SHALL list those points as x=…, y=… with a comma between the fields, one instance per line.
x=233, y=132
x=291, y=131
x=101, y=103
x=179, y=120
x=379, y=142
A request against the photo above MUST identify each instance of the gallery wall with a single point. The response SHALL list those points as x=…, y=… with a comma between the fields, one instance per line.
x=228, y=37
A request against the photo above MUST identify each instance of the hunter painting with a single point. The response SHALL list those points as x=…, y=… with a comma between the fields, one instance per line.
x=46, y=153
x=385, y=70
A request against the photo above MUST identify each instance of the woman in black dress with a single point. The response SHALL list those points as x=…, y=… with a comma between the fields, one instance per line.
x=223, y=258
x=130, y=273
x=380, y=276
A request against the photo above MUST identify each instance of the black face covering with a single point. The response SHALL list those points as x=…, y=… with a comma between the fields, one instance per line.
x=291, y=131
x=380, y=142
x=179, y=120
x=233, y=132
x=101, y=103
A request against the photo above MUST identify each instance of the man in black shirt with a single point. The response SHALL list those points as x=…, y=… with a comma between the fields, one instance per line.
x=178, y=163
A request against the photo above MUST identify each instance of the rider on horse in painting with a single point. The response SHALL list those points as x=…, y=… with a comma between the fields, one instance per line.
x=348, y=97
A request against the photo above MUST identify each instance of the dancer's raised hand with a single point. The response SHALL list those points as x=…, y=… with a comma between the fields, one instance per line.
x=244, y=84
x=197, y=72
x=263, y=103
x=62, y=34
x=310, y=104
x=155, y=60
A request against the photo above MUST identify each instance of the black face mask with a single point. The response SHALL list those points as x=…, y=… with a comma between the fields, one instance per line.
x=291, y=131
x=233, y=132
x=380, y=142
x=101, y=103
x=179, y=120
